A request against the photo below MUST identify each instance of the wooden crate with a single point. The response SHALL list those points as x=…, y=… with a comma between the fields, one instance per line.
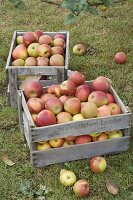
x=88, y=126
x=55, y=74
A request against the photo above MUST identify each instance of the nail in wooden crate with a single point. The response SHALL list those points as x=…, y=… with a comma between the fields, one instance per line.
x=87, y=126
x=54, y=74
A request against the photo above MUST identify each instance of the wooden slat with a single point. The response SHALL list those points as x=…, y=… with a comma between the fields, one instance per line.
x=20, y=112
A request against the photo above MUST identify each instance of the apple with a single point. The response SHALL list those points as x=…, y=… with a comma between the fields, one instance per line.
x=67, y=87
x=45, y=118
x=102, y=136
x=32, y=49
x=33, y=89
x=58, y=35
x=115, y=134
x=46, y=39
x=79, y=49
x=44, y=50
x=72, y=105
x=18, y=62
x=67, y=177
x=98, y=164
x=70, y=138
x=42, y=61
x=103, y=111
x=78, y=117
x=94, y=136
x=57, y=60
x=30, y=61
x=67, y=144
x=33, y=115
x=120, y=58
x=101, y=83
x=63, y=117
x=44, y=146
x=81, y=188
x=115, y=108
x=45, y=97
x=63, y=98
x=37, y=34
x=54, y=105
x=98, y=97
x=20, y=52
x=82, y=139
x=88, y=110
x=57, y=142
x=54, y=89
x=77, y=77
x=28, y=38
x=57, y=50
x=19, y=39
x=21, y=77
x=35, y=105
x=59, y=42
x=82, y=92
x=110, y=98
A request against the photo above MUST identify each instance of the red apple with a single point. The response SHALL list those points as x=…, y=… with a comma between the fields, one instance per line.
x=30, y=61
x=77, y=77
x=54, y=89
x=103, y=111
x=68, y=88
x=59, y=42
x=63, y=98
x=98, y=97
x=81, y=188
x=115, y=108
x=120, y=58
x=46, y=39
x=79, y=49
x=57, y=60
x=28, y=38
x=98, y=164
x=44, y=50
x=82, y=92
x=70, y=138
x=57, y=50
x=35, y=105
x=45, y=118
x=54, y=105
x=72, y=105
x=83, y=139
x=101, y=83
x=110, y=98
x=45, y=97
x=42, y=61
x=63, y=117
x=33, y=89
x=88, y=110
x=56, y=143
x=58, y=35
x=102, y=136
x=37, y=34
x=20, y=52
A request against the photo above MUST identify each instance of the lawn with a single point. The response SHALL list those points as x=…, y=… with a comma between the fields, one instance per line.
x=106, y=35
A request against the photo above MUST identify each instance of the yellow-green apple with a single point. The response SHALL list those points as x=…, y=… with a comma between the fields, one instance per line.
x=103, y=111
x=88, y=110
x=98, y=97
x=37, y=34
x=115, y=134
x=35, y=105
x=45, y=118
x=59, y=42
x=120, y=58
x=115, y=108
x=101, y=83
x=81, y=188
x=45, y=97
x=46, y=39
x=33, y=89
x=28, y=38
x=20, y=52
x=63, y=117
x=98, y=164
x=78, y=117
x=18, y=62
x=79, y=49
x=44, y=146
x=54, y=105
x=77, y=77
x=67, y=144
x=67, y=87
x=19, y=39
x=70, y=138
x=102, y=136
x=58, y=35
x=57, y=50
x=63, y=98
x=67, y=177
x=44, y=50
x=42, y=61
x=32, y=49
x=30, y=61
x=94, y=136
x=82, y=92
x=21, y=77
x=82, y=139
x=57, y=60
x=72, y=105
x=110, y=98
x=57, y=142
x=42, y=142
x=34, y=117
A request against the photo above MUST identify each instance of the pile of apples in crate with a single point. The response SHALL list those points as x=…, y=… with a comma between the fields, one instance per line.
x=39, y=49
x=72, y=100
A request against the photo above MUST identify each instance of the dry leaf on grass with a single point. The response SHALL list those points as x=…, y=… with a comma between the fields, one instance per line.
x=7, y=161
x=112, y=187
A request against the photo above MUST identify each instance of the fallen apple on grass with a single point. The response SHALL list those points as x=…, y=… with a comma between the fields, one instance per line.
x=98, y=164
x=67, y=177
x=79, y=49
x=81, y=188
x=120, y=58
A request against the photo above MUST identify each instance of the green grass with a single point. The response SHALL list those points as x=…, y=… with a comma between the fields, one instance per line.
x=107, y=36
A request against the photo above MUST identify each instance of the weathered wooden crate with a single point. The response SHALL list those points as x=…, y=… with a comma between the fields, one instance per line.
x=57, y=155
x=55, y=74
